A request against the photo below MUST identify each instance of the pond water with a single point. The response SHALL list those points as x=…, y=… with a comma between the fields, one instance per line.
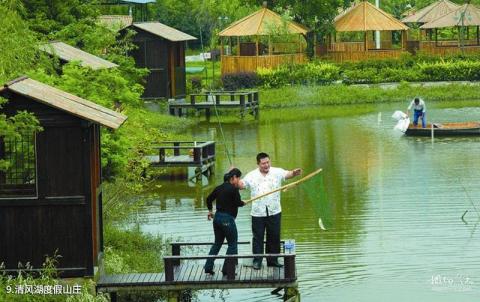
x=394, y=204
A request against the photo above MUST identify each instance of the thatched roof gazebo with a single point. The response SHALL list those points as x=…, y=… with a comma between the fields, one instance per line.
x=418, y=38
x=364, y=17
x=463, y=18
x=431, y=12
x=254, y=42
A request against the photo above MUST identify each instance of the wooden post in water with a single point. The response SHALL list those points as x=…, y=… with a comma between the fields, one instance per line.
x=242, y=105
x=478, y=35
x=432, y=134
x=113, y=297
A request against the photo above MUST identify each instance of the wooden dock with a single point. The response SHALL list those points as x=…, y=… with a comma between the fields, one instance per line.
x=200, y=155
x=185, y=273
x=247, y=101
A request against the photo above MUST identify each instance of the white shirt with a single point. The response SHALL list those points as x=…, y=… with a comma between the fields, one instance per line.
x=421, y=106
x=260, y=184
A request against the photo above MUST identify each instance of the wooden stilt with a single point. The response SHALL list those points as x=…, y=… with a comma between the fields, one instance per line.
x=238, y=47
x=478, y=35
x=276, y=291
x=113, y=297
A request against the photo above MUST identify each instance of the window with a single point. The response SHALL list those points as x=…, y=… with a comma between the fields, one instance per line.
x=19, y=178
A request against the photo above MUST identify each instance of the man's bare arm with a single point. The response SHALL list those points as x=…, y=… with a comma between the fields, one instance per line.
x=293, y=173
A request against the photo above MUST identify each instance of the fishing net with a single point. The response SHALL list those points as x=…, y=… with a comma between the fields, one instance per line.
x=316, y=198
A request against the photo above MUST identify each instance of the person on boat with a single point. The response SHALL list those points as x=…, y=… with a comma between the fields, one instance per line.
x=228, y=201
x=419, y=110
x=266, y=211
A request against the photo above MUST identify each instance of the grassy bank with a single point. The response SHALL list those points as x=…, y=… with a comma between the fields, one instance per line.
x=294, y=96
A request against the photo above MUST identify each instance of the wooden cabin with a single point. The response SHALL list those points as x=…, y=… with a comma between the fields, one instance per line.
x=361, y=21
x=261, y=40
x=161, y=49
x=50, y=196
x=67, y=53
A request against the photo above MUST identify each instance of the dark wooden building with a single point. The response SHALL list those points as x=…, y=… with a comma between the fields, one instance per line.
x=161, y=49
x=50, y=196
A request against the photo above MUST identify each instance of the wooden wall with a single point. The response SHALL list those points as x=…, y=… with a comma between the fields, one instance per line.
x=443, y=48
x=358, y=46
x=232, y=64
x=363, y=55
x=61, y=218
x=152, y=53
x=166, y=62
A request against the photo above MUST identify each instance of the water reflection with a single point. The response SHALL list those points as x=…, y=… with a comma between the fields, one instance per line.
x=394, y=204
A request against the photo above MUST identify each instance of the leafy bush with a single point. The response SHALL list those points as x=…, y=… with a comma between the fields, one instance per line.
x=422, y=67
x=46, y=280
x=385, y=75
x=239, y=80
x=310, y=73
x=451, y=71
x=196, y=83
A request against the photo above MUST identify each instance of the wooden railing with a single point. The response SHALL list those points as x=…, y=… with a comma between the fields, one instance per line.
x=202, y=151
x=233, y=64
x=250, y=97
x=357, y=46
x=341, y=56
x=177, y=246
x=443, y=48
x=230, y=260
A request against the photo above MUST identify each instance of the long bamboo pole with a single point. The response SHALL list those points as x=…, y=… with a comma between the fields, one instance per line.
x=285, y=187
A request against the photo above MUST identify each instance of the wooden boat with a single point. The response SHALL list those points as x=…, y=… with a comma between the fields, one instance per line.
x=445, y=129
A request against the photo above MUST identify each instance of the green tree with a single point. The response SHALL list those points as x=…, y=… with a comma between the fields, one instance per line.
x=17, y=55
x=18, y=45
x=317, y=15
x=48, y=17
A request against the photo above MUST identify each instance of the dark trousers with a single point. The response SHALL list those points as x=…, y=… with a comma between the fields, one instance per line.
x=224, y=227
x=271, y=224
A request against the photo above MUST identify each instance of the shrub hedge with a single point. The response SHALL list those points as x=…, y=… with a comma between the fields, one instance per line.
x=422, y=67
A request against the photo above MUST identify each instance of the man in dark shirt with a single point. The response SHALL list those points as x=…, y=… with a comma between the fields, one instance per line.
x=228, y=201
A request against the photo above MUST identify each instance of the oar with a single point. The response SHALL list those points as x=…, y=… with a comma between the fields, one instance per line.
x=288, y=186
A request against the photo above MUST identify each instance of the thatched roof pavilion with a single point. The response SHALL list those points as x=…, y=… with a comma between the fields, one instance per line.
x=431, y=12
x=465, y=15
x=463, y=19
x=364, y=16
x=252, y=52
x=259, y=24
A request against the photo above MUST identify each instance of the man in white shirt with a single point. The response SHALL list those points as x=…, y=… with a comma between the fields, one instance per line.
x=419, y=109
x=266, y=211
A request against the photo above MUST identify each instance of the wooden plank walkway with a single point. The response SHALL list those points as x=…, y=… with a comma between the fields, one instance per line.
x=192, y=276
x=185, y=273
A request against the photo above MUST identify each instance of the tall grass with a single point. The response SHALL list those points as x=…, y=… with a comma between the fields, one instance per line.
x=293, y=96
x=26, y=286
